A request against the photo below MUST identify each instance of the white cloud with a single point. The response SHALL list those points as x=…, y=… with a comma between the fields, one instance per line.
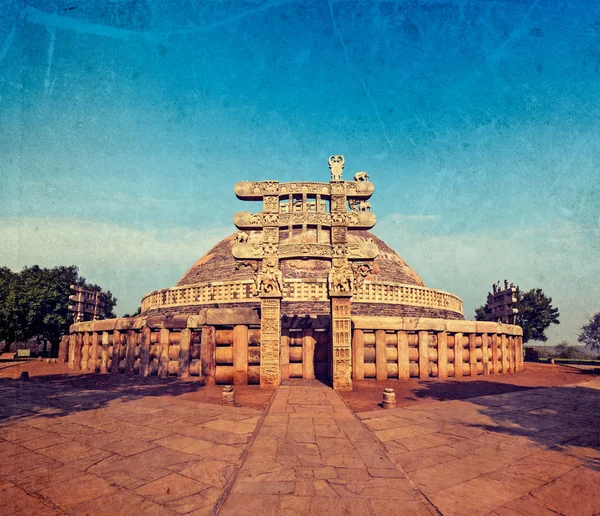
x=129, y=262
x=560, y=257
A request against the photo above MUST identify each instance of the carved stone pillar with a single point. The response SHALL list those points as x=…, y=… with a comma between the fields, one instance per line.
x=341, y=334
x=270, y=334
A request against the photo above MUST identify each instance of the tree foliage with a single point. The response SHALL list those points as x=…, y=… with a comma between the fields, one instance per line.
x=590, y=333
x=34, y=303
x=536, y=314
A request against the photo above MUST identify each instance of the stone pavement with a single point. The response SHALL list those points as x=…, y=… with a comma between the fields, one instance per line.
x=313, y=456
x=529, y=452
x=136, y=450
x=115, y=451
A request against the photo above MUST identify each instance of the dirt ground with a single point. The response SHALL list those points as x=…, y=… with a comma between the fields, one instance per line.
x=367, y=394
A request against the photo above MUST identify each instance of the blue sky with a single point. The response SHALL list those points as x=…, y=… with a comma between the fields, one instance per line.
x=125, y=124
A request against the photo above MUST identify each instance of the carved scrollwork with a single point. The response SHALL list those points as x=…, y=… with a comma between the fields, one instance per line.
x=304, y=250
x=301, y=218
x=311, y=188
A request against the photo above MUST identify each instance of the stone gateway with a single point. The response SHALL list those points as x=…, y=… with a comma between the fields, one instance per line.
x=302, y=290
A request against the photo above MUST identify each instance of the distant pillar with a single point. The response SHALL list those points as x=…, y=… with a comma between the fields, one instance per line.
x=458, y=355
x=104, y=357
x=403, y=359
x=423, y=354
x=207, y=355
x=442, y=349
x=358, y=355
x=308, y=354
x=240, y=355
x=380, y=355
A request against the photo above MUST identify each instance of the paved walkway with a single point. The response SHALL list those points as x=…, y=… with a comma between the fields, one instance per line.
x=313, y=456
x=148, y=449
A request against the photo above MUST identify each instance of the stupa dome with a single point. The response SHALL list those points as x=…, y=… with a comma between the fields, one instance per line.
x=390, y=288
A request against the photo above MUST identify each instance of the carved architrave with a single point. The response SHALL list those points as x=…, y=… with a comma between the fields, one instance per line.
x=256, y=189
x=341, y=335
x=299, y=250
x=354, y=219
x=366, y=251
x=362, y=219
x=303, y=218
x=359, y=189
x=299, y=187
x=270, y=327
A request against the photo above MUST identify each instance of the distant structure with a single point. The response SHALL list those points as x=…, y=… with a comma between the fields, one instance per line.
x=302, y=290
x=500, y=303
x=87, y=304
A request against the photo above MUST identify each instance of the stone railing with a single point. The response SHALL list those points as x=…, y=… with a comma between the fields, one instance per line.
x=224, y=346
x=301, y=290
x=218, y=345
x=395, y=347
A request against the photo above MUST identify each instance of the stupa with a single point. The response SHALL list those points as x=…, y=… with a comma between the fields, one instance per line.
x=303, y=289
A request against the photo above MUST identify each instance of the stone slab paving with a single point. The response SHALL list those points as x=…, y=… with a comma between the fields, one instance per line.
x=91, y=452
x=131, y=450
x=529, y=452
x=312, y=455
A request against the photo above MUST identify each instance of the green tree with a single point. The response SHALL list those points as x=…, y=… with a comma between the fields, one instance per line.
x=36, y=304
x=536, y=314
x=565, y=350
x=9, y=325
x=590, y=333
x=134, y=314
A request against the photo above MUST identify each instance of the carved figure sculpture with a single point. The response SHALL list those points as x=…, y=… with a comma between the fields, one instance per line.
x=270, y=279
x=361, y=271
x=354, y=204
x=364, y=206
x=341, y=277
x=241, y=237
x=361, y=176
x=336, y=164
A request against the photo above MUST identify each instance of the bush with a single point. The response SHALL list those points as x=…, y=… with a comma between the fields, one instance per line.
x=565, y=350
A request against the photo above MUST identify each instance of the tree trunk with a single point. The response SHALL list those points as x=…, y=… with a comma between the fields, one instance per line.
x=7, y=345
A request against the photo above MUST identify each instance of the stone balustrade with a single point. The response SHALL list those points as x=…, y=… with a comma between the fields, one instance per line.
x=301, y=290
